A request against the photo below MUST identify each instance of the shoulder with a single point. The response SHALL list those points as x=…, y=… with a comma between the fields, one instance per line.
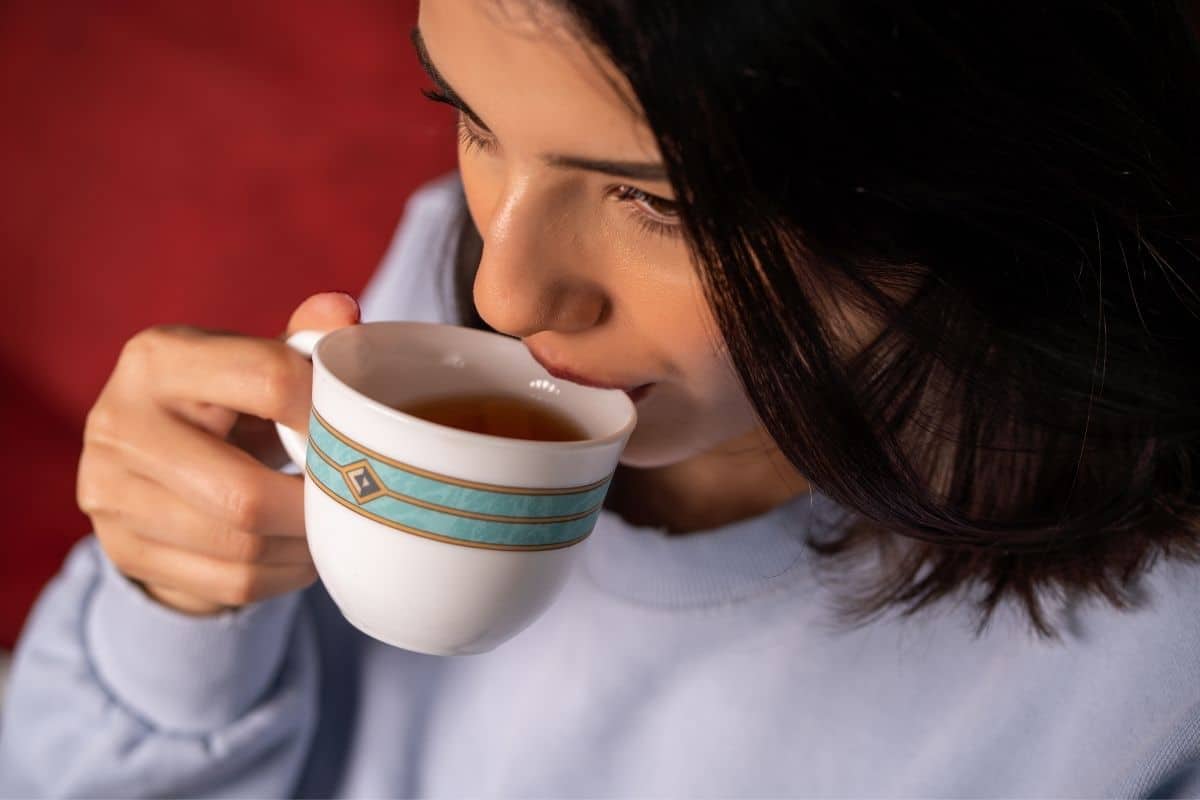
x=414, y=279
x=1162, y=627
x=1141, y=669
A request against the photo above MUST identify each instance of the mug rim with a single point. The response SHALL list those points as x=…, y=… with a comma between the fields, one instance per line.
x=459, y=434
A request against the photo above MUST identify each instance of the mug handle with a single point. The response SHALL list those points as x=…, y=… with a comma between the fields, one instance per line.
x=296, y=442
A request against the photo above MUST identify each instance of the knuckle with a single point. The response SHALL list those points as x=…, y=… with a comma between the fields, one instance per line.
x=139, y=349
x=102, y=424
x=142, y=351
x=240, y=586
x=248, y=548
x=88, y=496
x=278, y=382
x=97, y=487
x=245, y=505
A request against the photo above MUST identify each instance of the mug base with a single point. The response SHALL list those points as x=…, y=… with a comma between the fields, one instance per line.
x=415, y=646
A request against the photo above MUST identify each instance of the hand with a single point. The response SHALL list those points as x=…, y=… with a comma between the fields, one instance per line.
x=200, y=523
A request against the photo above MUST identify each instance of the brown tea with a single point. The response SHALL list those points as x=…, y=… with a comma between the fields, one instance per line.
x=498, y=415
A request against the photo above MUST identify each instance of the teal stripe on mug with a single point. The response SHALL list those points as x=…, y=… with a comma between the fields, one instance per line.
x=464, y=498
x=446, y=524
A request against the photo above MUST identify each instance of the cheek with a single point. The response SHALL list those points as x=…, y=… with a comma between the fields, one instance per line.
x=690, y=331
x=694, y=410
x=701, y=382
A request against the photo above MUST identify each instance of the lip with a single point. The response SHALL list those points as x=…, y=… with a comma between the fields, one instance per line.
x=583, y=380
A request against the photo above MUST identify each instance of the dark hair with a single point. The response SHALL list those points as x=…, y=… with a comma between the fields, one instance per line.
x=1012, y=191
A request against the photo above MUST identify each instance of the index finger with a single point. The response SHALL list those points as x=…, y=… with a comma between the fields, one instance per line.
x=263, y=377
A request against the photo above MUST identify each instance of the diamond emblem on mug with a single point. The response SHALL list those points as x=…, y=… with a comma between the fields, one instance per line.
x=363, y=482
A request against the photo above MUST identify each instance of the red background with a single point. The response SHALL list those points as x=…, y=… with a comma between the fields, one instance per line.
x=204, y=163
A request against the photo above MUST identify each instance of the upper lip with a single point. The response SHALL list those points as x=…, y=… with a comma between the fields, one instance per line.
x=574, y=377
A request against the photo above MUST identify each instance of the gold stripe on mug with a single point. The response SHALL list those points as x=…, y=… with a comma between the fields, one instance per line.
x=436, y=536
x=387, y=492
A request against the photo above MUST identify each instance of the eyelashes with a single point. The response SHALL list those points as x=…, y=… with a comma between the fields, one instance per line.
x=469, y=139
x=653, y=214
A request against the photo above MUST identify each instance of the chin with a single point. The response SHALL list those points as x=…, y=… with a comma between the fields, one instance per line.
x=632, y=457
x=670, y=430
x=658, y=446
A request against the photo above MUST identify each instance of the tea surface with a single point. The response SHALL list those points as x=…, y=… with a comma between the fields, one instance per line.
x=498, y=415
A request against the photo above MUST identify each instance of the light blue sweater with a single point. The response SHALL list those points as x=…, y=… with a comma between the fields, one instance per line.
x=702, y=665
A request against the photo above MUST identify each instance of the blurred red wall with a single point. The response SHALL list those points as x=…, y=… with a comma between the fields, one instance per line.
x=208, y=163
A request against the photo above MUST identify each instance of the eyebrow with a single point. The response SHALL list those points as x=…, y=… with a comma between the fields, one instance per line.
x=635, y=170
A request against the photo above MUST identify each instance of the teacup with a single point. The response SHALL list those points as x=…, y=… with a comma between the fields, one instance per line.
x=432, y=538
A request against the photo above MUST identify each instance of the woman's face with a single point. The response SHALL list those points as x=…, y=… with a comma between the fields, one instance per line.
x=582, y=254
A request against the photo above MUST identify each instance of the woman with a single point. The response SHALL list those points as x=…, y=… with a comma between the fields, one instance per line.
x=906, y=300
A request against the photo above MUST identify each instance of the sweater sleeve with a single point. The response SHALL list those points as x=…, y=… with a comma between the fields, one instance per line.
x=114, y=695
x=1184, y=783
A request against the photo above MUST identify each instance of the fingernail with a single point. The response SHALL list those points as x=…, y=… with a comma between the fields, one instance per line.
x=353, y=299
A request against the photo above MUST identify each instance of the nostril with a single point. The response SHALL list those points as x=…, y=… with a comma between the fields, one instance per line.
x=572, y=307
x=524, y=307
x=583, y=308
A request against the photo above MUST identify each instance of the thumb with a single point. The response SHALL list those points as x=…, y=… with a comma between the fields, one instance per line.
x=325, y=311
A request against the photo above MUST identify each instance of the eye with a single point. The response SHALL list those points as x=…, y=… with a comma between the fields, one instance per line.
x=468, y=137
x=653, y=213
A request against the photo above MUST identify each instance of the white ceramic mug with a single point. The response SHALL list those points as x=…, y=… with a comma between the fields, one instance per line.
x=432, y=538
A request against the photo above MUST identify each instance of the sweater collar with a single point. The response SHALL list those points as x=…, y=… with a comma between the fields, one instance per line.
x=721, y=566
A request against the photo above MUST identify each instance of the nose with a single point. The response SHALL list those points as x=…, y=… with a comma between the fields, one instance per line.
x=534, y=273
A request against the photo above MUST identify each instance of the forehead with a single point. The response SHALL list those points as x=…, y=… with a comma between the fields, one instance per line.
x=524, y=69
